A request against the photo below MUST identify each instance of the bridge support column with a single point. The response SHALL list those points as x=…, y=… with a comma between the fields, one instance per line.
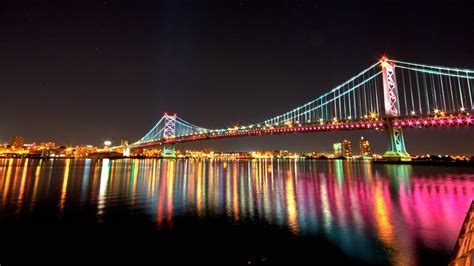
x=168, y=151
x=396, y=144
x=396, y=150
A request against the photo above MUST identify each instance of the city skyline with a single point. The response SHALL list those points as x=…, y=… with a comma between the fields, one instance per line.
x=18, y=142
x=214, y=74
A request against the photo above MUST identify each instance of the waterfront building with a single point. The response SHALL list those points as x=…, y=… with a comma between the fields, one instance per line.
x=337, y=149
x=84, y=150
x=364, y=147
x=48, y=145
x=346, y=148
x=17, y=141
x=281, y=153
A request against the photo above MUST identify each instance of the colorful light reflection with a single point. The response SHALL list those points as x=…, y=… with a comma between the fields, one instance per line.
x=364, y=209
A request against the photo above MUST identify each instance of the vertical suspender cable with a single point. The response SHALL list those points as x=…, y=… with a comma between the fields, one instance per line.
x=411, y=92
x=419, y=95
x=404, y=92
x=452, y=94
x=426, y=94
x=377, y=97
x=434, y=92
x=460, y=91
x=469, y=89
x=443, y=99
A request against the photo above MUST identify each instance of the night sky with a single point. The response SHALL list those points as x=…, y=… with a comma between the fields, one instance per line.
x=81, y=72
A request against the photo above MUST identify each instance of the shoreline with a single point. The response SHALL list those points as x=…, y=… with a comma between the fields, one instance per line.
x=379, y=161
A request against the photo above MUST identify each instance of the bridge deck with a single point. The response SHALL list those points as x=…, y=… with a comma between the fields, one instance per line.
x=404, y=122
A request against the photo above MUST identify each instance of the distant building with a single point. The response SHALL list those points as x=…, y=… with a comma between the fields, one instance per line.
x=281, y=153
x=346, y=148
x=48, y=145
x=107, y=144
x=337, y=147
x=84, y=151
x=17, y=141
x=364, y=147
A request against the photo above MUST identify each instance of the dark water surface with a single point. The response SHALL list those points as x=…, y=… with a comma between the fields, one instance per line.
x=247, y=211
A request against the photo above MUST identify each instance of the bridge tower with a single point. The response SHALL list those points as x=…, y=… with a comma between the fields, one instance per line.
x=396, y=144
x=126, y=148
x=169, y=132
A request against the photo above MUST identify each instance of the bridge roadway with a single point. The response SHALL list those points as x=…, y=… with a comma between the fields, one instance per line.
x=448, y=120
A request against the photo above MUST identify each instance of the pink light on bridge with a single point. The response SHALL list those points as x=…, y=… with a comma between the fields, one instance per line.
x=459, y=120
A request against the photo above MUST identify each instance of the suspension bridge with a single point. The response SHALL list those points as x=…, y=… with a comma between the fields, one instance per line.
x=388, y=96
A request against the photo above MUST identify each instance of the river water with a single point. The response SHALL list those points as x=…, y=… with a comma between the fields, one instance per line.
x=241, y=211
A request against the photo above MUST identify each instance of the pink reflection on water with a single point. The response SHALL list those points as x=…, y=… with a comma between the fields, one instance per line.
x=434, y=208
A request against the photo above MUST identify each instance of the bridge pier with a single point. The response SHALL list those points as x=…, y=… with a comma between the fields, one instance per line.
x=168, y=151
x=396, y=150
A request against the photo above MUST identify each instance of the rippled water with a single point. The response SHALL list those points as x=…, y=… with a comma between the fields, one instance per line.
x=247, y=211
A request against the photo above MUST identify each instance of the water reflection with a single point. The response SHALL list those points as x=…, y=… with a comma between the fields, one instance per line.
x=104, y=178
x=376, y=213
